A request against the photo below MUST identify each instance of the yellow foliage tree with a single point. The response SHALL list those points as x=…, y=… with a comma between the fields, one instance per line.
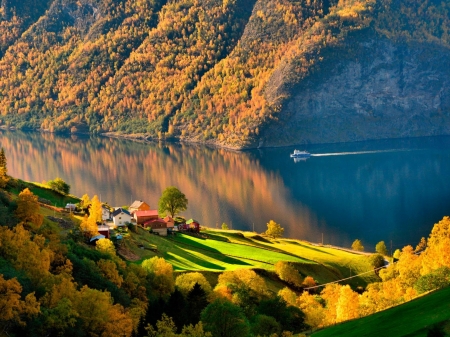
x=88, y=226
x=288, y=273
x=348, y=304
x=106, y=246
x=313, y=310
x=331, y=295
x=26, y=253
x=437, y=253
x=161, y=275
x=28, y=209
x=185, y=282
x=109, y=270
x=99, y=316
x=95, y=212
x=274, y=230
x=288, y=296
x=85, y=201
x=243, y=284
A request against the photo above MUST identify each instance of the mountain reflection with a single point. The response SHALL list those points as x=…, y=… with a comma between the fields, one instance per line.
x=384, y=190
x=221, y=186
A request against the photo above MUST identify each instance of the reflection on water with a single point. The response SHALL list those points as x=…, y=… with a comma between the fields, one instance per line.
x=383, y=193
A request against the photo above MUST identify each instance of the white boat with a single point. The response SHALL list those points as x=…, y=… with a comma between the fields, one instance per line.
x=300, y=154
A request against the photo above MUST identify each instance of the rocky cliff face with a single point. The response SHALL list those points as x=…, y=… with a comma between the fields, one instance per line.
x=372, y=89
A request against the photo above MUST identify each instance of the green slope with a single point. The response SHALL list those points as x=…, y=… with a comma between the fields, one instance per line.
x=232, y=250
x=410, y=319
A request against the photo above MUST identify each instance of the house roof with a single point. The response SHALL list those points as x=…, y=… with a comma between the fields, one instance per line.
x=120, y=210
x=137, y=203
x=159, y=220
x=169, y=219
x=151, y=212
x=97, y=237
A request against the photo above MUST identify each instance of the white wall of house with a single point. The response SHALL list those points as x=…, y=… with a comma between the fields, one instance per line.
x=106, y=214
x=121, y=218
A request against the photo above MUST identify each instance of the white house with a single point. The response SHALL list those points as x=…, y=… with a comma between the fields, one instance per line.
x=106, y=213
x=121, y=217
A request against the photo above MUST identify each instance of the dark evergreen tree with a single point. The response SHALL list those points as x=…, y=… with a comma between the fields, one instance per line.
x=196, y=302
x=176, y=307
x=291, y=318
x=141, y=326
x=155, y=310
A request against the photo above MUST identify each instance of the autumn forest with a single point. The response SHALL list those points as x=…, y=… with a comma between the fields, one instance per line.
x=195, y=70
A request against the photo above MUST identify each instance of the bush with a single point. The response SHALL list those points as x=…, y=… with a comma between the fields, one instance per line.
x=59, y=185
x=437, y=279
x=376, y=260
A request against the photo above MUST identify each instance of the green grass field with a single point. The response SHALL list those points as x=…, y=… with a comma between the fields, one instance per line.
x=339, y=263
x=410, y=319
x=231, y=250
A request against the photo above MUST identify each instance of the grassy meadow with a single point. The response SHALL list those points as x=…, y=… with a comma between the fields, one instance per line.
x=217, y=251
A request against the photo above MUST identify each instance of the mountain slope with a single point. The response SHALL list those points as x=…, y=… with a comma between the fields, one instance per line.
x=233, y=73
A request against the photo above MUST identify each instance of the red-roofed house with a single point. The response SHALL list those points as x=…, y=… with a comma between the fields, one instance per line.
x=157, y=225
x=143, y=216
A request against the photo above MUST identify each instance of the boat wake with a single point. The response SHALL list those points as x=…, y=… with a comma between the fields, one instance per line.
x=350, y=153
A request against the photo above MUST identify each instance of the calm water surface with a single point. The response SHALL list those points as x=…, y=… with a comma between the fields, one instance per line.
x=376, y=190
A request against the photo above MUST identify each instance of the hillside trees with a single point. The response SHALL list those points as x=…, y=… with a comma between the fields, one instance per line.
x=15, y=310
x=201, y=70
x=223, y=318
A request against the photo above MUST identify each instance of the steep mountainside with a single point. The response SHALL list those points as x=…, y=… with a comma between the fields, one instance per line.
x=235, y=73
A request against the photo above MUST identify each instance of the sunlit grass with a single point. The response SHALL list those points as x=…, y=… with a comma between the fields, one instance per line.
x=339, y=263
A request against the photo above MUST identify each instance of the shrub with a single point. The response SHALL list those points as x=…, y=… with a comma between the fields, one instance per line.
x=437, y=279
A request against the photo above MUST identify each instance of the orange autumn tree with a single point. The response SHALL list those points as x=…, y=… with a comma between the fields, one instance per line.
x=28, y=209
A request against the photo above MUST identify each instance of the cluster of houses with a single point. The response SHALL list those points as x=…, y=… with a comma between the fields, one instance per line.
x=140, y=214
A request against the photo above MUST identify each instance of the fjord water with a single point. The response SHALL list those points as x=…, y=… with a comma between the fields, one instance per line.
x=375, y=190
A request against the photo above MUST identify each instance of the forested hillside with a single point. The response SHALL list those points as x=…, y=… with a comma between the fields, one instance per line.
x=227, y=72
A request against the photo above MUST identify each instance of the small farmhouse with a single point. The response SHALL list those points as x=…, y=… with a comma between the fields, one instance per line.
x=121, y=217
x=138, y=205
x=103, y=230
x=70, y=207
x=169, y=221
x=143, y=216
x=194, y=225
x=157, y=225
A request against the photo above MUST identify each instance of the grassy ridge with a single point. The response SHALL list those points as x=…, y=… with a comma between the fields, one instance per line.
x=230, y=250
x=410, y=319
x=42, y=191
